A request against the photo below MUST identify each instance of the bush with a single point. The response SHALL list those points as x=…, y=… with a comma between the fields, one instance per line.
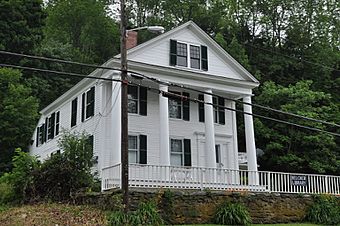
x=7, y=194
x=17, y=185
x=325, y=210
x=68, y=172
x=232, y=214
x=146, y=214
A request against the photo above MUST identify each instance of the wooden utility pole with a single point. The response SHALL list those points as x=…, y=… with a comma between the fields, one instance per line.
x=124, y=113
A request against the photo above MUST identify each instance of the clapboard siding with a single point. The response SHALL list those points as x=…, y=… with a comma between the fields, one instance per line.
x=159, y=54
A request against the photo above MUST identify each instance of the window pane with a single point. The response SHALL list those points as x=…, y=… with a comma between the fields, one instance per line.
x=176, y=146
x=181, y=49
x=133, y=99
x=133, y=92
x=176, y=160
x=218, y=153
x=133, y=106
x=133, y=157
x=175, y=108
x=195, y=63
x=132, y=142
x=195, y=52
x=182, y=61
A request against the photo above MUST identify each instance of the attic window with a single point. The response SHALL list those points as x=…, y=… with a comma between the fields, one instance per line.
x=188, y=55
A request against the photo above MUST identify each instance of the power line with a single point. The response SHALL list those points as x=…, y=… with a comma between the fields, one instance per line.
x=169, y=94
x=238, y=101
x=167, y=83
x=59, y=72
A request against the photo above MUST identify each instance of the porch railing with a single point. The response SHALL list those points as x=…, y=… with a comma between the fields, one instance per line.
x=155, y=176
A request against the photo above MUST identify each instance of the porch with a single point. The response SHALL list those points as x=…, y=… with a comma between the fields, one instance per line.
x=156, y=176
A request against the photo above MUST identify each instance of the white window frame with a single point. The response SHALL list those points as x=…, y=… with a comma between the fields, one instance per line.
x=188, y=44
x=216, y=111
x=169, y=99
x=177, y=153
x=136, y=150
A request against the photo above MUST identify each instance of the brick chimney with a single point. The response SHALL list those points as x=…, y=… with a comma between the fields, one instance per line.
x=131, y=40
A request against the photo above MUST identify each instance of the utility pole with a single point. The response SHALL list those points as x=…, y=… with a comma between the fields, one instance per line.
x=124, y=110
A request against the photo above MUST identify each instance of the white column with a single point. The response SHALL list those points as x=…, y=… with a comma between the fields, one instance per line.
x=210, y=153
x=164, y=147
x=235, y=166
x=250, y=140
x=115, y=124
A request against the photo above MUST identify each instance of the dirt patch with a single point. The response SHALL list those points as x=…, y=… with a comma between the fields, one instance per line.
x=52, y=214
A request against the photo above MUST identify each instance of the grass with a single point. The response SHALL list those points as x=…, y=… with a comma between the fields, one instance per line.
x=293, y=224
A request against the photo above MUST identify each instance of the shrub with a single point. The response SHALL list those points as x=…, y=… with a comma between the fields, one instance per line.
x=7, y=194
x=68, y=172
x=146, y=214
x=17, y=185
x=325, y=210
x=232, y=214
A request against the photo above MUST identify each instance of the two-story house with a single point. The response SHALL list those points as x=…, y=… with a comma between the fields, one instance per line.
x=171, y=141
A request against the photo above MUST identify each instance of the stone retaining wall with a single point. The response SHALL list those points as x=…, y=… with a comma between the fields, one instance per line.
x=198, y=207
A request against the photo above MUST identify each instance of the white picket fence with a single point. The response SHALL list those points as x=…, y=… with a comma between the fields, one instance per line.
x=155, y=176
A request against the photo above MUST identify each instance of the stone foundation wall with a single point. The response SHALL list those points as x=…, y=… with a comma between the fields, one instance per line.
x=198, y=207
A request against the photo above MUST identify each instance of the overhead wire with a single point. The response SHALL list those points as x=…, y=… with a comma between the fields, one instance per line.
x=169, y=94
x=176, y=96
x=162, y=82
x=154, y=80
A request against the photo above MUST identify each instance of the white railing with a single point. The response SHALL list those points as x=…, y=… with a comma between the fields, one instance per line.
x=155, y=176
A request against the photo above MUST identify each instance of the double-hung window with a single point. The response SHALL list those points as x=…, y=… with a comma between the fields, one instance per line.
x=88, y=99
x=179, y=107
x=188, y=55
x=137, y=100
x=53, y=125
x=195, y=57
x=137, y=145
x=180, y=152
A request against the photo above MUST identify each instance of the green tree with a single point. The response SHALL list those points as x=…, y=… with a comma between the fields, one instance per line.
x=86, y=26
x=18, y=115
x=21, y=23
x=288, y=148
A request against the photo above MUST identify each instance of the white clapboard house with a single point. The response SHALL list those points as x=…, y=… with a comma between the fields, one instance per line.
x=172, y=142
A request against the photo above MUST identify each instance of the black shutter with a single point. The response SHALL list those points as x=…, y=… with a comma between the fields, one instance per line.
x=45, y=130
x=142, y=149
x=187, y=152
x=90, y=103
x=201, y=108
x=221, y=111
x=186, y=107
x=204, y=59
x=57, y=123
x=143, y=96
x=173, y=52
x=52, y=125
x=37, y=138
x=83, y=107
x=74, y=112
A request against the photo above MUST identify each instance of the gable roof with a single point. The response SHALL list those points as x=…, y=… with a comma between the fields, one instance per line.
x=226, y=57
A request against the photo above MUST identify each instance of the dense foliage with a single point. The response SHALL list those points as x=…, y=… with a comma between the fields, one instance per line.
x=146, y=214
x=18, y=115
x=291, y=45
x=57, y=178
x=325, y=210
x=232, y=214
